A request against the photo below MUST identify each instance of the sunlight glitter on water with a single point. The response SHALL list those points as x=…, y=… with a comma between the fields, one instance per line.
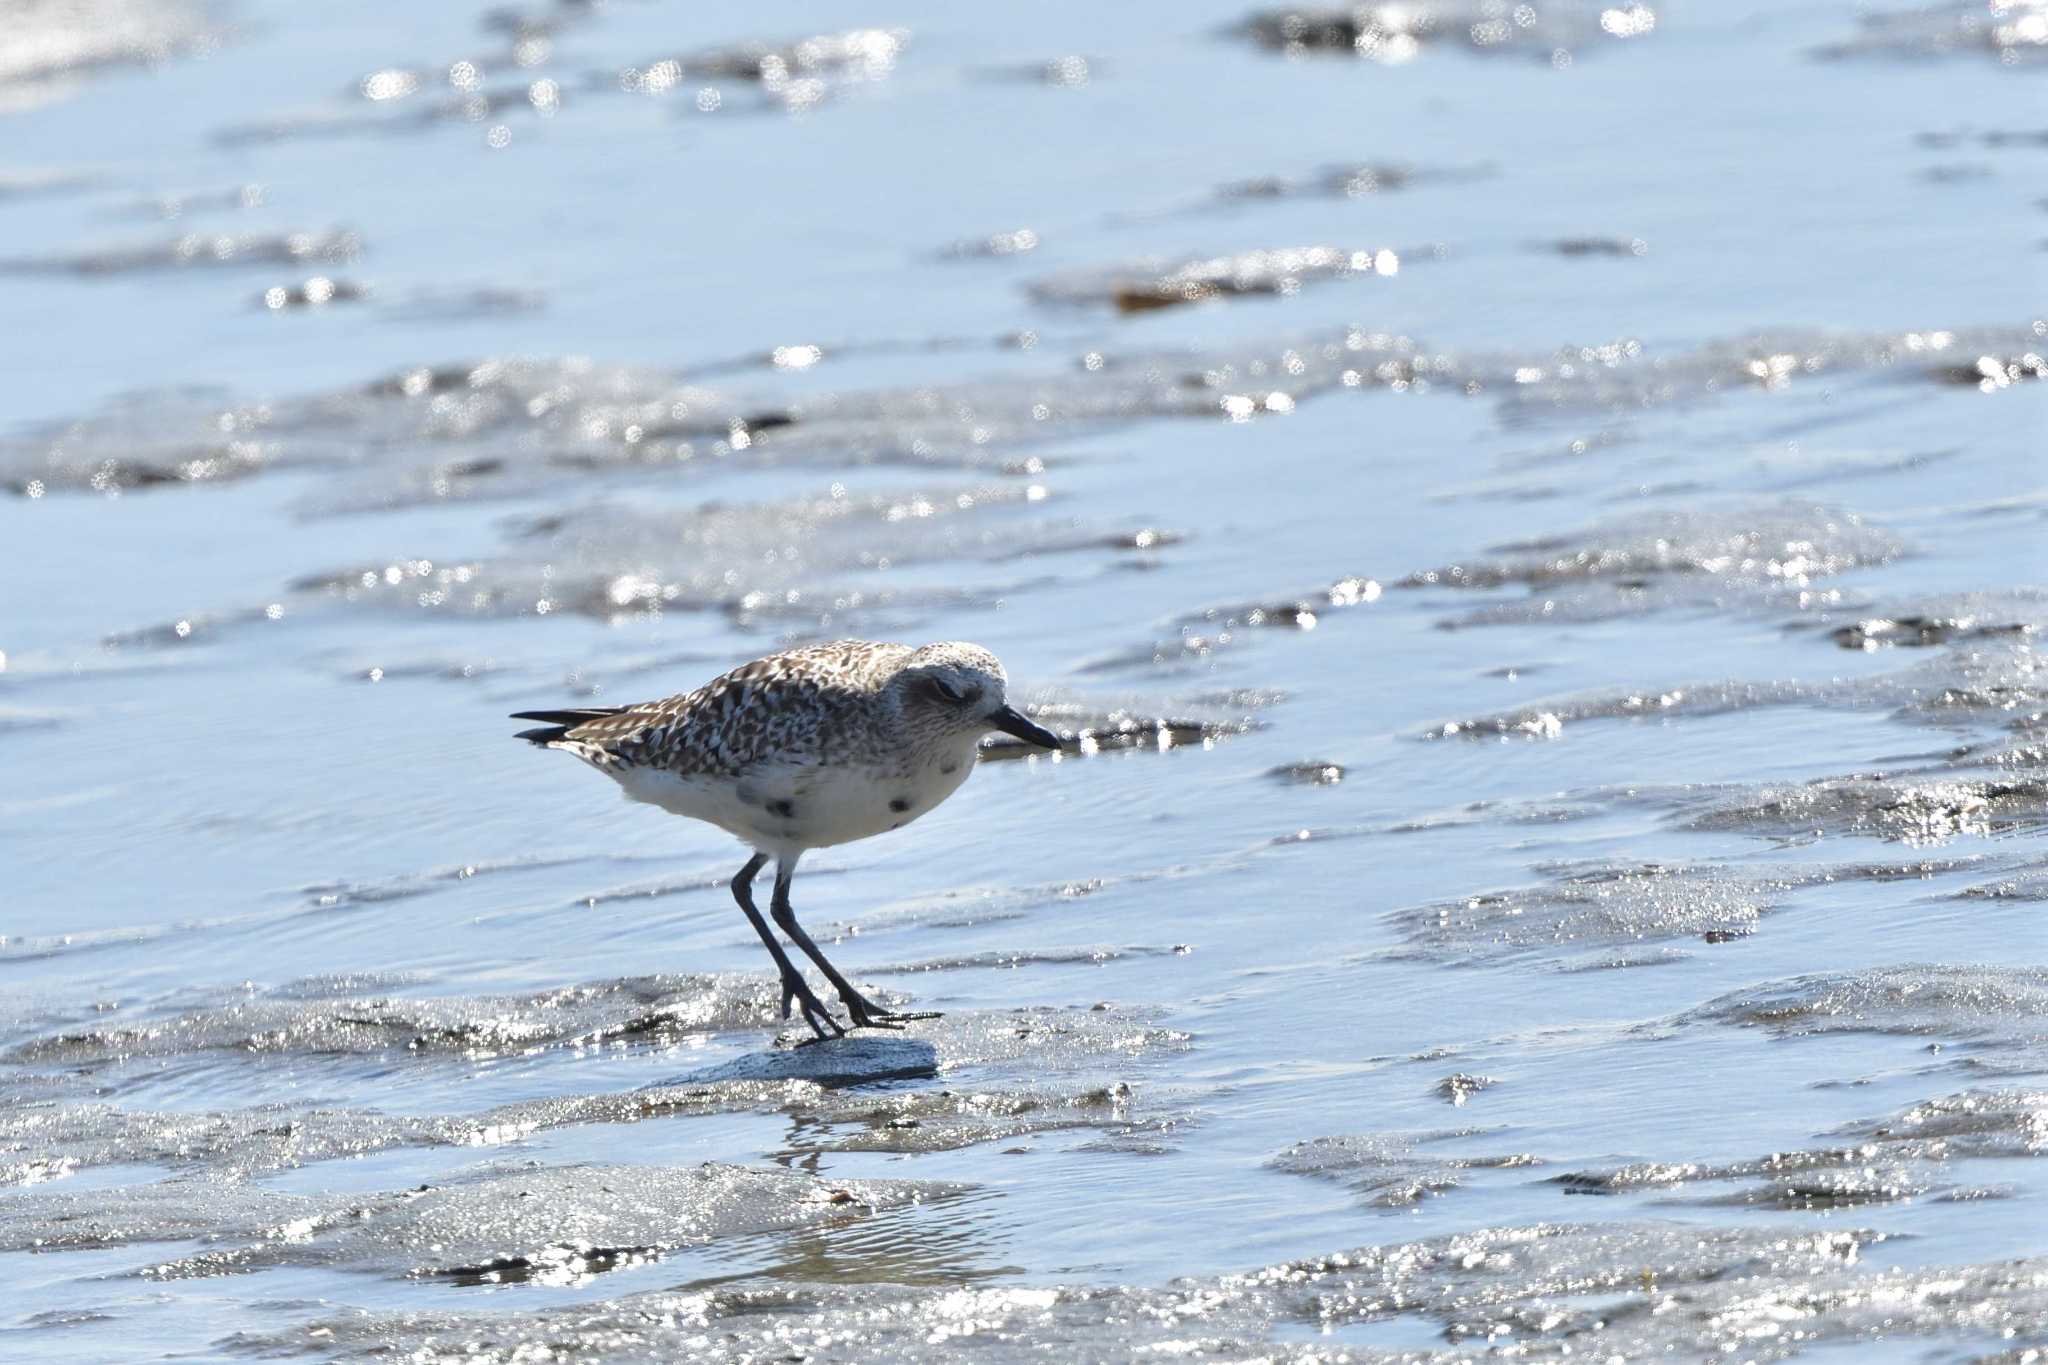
x=1547, y=839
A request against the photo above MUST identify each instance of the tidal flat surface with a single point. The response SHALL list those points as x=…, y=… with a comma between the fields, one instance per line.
x=1530, y=518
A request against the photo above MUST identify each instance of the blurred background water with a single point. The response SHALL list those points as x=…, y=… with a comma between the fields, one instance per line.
x=1531, y=515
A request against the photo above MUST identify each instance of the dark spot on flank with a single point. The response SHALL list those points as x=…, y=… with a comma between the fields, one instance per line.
x=785, y=809
x=899, y=804
x=950, y=766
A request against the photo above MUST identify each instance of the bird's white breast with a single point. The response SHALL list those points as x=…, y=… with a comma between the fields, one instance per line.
x=784, y=809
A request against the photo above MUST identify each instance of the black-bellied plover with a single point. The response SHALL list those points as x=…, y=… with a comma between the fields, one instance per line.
x=801, y=750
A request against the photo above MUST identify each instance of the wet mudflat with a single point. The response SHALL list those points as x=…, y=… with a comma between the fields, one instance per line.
x=1530, y=520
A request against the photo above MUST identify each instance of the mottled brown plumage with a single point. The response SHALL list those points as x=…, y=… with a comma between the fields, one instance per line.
x=800, y=750
x=812, y=705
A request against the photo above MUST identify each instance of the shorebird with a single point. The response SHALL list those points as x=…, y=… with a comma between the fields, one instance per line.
x=801, y=750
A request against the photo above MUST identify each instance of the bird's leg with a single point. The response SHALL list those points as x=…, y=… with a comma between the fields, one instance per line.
x=794, y=987
x=864, y=1012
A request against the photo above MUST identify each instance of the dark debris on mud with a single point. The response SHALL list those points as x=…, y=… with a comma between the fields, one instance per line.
x=312, y=293
x=1917, y=632
x=1149, y=285
x=2011, y=614
x=1395, y=34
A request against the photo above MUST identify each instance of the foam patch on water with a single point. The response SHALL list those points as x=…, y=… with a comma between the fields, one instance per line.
x=1750, y=555
x=822, y=567
x=793, y=76
x=1705, y=555
x=1994, y=681
x=518, y=425
x=617, y=562
x=1641, y=1291
x=83, y=1135
x=49, y=46
x=516, y=75
x=973, y=906
x=1390, y=1170
x=2006, y=1122
x=1785, y=542
x=1119, y=1116
x=198, y=250
x=1627, y=374
x=1352, y=180
x=46, y=182
x=1909, y=809
x=1006, y=1074
x=499, y=1221
x=1203, y=634
x=593, y=1015
x=1599, y=905
x=1990, y=1005
x=1004, y=959
x=2024, y=884
x=2010, y=32
x=170, y=1211
x=1898, y=1157
x=335, y=895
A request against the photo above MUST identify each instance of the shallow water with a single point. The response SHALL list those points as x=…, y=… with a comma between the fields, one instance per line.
x=1532, y=524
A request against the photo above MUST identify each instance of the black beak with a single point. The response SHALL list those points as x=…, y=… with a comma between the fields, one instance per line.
x=1011, y=721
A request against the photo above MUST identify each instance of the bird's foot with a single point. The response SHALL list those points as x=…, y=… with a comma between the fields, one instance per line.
x=797, y=991
x=865, y=1013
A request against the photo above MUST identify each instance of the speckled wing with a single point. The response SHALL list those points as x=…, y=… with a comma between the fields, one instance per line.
x=801, y=707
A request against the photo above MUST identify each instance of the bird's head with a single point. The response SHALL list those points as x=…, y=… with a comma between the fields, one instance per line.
x=957, y=688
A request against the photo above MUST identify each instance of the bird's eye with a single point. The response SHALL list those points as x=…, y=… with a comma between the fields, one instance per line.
x=945, y=691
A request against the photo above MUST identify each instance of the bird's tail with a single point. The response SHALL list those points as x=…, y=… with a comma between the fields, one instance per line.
x=560, y=723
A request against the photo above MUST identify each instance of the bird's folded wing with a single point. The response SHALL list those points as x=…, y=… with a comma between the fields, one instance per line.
x=725, y=728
